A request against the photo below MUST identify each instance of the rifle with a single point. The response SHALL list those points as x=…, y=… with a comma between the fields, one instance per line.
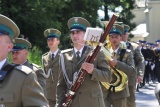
x=82, y=73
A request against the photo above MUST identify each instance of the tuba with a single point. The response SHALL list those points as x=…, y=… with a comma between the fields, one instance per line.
x=121, y=78
x=92, y=37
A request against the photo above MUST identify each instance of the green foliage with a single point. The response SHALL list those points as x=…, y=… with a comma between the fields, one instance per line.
x=35, y=55
x=125, y=15
x=35, y=16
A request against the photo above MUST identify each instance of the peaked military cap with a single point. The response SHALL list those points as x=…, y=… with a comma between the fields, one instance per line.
x=125, y=27
x=149, y=44
x=116, y=29
x=141, y=41
x=154, y=45
x=8, y=27
x=20, y=43
x=52, y=33
x=78, y=23
x=157, y=41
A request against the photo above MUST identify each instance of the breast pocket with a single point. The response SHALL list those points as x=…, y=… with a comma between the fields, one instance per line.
x=6, y=98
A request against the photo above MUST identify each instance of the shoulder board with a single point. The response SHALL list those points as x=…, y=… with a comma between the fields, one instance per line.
x=24, y=69
x=128, y=50
x=45, y=54
x=35, y=65
x=66, y=50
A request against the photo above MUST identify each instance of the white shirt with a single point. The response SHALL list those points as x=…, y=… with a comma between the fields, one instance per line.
x=80, y=54
x=114, y=51
x=55, y=53
x=2, y=63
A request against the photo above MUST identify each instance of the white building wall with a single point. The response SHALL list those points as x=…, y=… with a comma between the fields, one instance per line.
x=153, y=20
x=139, y=16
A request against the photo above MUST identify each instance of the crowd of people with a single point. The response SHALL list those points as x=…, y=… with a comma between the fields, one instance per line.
x=25, y=84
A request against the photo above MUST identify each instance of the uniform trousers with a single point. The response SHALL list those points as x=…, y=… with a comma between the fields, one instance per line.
x=120, y=102
x=131, y=99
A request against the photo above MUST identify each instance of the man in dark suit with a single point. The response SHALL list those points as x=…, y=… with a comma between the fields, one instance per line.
x=51, y=64
x=18, y=85
x=157, y=60
x=89, y=94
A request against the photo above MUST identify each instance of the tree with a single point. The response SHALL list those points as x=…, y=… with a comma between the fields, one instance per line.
x=34, y=16
x=125, y=15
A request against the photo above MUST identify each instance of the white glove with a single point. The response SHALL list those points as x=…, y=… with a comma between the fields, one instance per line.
x=152, y=66
x=146, y=62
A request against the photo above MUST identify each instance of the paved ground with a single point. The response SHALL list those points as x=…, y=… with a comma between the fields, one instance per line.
x=146, y=97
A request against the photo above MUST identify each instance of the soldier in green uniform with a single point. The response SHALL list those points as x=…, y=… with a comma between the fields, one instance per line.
x=50, y=62
x=19, y=56
x=139, y=66
x=89, y=94
x=18, y=85
x=122, y=60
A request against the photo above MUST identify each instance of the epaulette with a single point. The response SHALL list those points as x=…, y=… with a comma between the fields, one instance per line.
x=24, y=69
x=35, y=65
x=66, y=50
x=45, y=54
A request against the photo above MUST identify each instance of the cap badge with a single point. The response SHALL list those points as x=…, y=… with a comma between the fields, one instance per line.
x=114, y=28
x=76, y=20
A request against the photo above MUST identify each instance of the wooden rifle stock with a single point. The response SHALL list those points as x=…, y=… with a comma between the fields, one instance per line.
x=82, y=73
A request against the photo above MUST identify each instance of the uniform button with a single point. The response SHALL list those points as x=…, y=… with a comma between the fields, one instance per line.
x=79, y=92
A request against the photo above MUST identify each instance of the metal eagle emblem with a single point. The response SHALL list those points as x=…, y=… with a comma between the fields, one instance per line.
x=76, y=20
x=114, y=28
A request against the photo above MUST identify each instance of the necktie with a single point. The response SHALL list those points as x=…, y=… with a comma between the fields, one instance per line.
x=114, y=54
x=78, y=55
x=52, y=57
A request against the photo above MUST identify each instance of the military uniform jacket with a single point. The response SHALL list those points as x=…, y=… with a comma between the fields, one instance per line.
x=89, y=94
x=39, y=72
x=51, y=81
x=21, y=89
x=126, y=66
x=138, y=60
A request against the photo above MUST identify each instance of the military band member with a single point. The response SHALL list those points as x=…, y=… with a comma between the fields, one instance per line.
x=19, y=56
x=89, y=94
x=122, y=60
x=157, y=60
x=50, y=61
x=18, y=85
x=139, y=66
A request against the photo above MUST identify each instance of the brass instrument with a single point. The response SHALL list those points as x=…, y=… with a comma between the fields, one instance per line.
x=121, y=78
